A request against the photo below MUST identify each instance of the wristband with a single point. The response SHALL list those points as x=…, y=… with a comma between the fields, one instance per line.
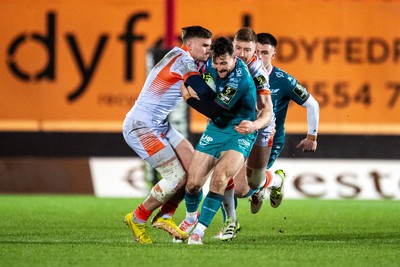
x=312, y=137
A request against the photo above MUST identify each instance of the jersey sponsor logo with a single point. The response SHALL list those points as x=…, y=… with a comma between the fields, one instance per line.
x=205, y=140
x=239, y=72
x=279, y=74
x=227, y=94
x=274, y=90
x=300, y=91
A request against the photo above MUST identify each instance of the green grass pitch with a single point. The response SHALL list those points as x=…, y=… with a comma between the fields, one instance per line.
x=88, y=231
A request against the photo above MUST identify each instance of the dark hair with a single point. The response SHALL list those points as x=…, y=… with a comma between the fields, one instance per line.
x=246, y=34
x=267, y=38
x=195, y=32
x=220, y=47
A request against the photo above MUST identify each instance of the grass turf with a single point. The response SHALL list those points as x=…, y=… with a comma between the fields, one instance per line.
x=89, y=231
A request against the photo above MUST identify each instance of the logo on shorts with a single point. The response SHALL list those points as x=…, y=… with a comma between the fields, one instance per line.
x=205, y=140
x=244, y=144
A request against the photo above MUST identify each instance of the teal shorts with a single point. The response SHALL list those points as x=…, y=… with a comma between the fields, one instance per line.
x=216, y=140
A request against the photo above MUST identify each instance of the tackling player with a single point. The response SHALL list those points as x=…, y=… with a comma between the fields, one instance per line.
x=147, y=131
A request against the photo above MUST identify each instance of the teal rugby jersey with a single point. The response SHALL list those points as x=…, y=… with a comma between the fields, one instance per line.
x=284, y=88
x=236, y=93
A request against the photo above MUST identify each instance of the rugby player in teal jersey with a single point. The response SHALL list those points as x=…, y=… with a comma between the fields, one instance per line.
x=221, y=146
x=284, y=88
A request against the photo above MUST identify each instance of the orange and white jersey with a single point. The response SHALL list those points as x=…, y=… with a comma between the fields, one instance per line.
x=259, y=74
x=161, y=91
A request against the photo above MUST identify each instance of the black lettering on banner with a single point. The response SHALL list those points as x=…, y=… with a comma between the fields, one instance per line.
x=377, y=183
x=302, y=181
x=342, y=98
x=86, y=71
x=129, y=37
x=396, y=93
x=341, y=179
x=48, y=41
x=363, y=95
x=287, y=44
x=227, y=94
x=377, y=50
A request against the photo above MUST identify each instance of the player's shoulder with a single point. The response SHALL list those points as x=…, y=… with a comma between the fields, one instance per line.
x=282, y=76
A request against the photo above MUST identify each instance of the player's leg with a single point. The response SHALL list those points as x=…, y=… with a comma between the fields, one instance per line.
x=149, y=143
x=184, y=151
x=229, y=163
x=274, y=182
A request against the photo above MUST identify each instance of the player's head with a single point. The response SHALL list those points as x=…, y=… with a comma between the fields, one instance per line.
x=266, y=45
x=198, y=40
x=245, y=44
x=222, y=56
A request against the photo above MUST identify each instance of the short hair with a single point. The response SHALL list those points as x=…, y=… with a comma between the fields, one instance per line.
x=195, y=32
x=246, y=34
x=220, y=47
x=267, y=38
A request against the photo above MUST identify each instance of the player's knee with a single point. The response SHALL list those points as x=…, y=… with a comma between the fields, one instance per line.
x=192, y=188
x=172, y=174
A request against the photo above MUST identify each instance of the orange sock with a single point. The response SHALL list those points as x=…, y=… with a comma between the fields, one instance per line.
x=141, y=214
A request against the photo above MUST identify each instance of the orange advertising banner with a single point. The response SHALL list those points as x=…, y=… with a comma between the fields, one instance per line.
x=80, y=65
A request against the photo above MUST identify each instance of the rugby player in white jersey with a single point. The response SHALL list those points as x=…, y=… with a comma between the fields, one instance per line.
x=147, y=131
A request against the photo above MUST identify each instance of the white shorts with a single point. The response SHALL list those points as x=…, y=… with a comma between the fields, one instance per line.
x=147, y=139
x=265, y=135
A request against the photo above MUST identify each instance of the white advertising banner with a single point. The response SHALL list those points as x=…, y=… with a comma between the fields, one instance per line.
x=341, y=179
x=119, y=177
x=305, y=178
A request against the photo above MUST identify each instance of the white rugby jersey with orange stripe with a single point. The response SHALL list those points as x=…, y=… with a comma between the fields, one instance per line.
x=261, y=80
x=260, y=75
x=161, y=91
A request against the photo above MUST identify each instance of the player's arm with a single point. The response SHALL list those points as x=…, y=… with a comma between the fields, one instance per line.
x=265, y=113
x=309, y=144
x=209, y=108
x=198, y=85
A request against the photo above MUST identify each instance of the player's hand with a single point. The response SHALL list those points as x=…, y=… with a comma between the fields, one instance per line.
x=188, y=92
x=185, y=92
x=245, y=127
x=309, y=144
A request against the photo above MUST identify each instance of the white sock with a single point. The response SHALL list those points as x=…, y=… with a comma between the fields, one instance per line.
x=276, y=181
x=229, y=204
x=200, y=229
x=191, y=217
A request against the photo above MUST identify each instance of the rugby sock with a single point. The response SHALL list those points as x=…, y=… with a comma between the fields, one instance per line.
x=210, y=206
x=192, y=205
x=273, y=180
x=229, y=204
x=168, y=209
x=200, y=229
x=141, y=214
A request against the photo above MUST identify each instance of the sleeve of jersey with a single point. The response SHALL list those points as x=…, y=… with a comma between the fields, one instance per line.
x=261, y=81
x=298, y=93
x=204, y=92
x=208, y=108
